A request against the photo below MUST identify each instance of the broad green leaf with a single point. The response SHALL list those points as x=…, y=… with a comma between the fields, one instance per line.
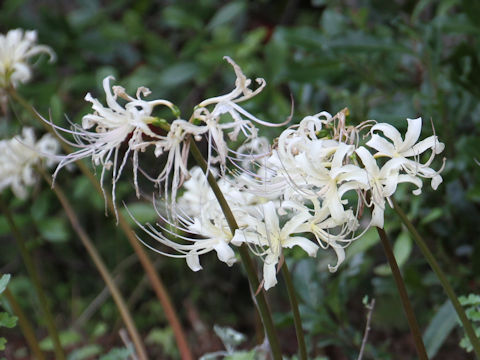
x=369, y=239
x=85, y=352
x=433, y=215
x=3, y=342
x=439, y=328
x=117, y=354
x=54, y=229
x=3, y=282
x=177, y=74
x=141, y=211
x=67, y=338
x=177, y=17
x=227, y=13
x=402, y=248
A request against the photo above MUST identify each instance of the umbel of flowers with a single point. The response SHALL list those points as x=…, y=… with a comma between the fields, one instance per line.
x=16, y=48
x=20, y=155
x=308, y=189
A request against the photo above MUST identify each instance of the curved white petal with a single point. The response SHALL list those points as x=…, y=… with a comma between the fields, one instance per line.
x=270, y=271
x=193, y=261
x=309, y=246
x=412, y=134
x=383, y=147
x=225, y=253
x=390, y=132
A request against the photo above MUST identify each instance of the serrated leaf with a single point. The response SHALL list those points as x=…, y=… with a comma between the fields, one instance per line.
x=7, y=320
x=471, y=299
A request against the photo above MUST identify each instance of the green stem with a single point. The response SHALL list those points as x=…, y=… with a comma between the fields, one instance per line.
x=100, y=265
x=33, y=274
x=443, y=279
x=407, y=307
x=155, y=280
x=25, y=325
x=296, y=313
x=244, y=255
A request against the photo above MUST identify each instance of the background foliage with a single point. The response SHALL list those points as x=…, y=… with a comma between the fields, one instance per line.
x=383, y=60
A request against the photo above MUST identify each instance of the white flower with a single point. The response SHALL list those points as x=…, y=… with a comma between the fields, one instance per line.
x=407, y=149
x=268, y=235
x=19, y=156
x=113, y=125
x=16, y=47
x=383, y=182
x=212, y=234
x=243, y=121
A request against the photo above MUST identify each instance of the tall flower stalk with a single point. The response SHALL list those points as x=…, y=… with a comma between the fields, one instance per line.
x=402, y=291
x=247, y=262
x=308, y=190
x=33, y=274
x=25, y=325
x=467, y=325
x=154, y=278
x=101, y=267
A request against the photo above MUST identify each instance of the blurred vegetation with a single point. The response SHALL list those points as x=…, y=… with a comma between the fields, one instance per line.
x=383, y=60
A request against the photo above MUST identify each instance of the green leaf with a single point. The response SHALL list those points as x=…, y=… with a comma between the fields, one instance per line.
x=3, y=342
x=227, y=13
x=117, y=354
x=242, y=355
x=142, y=212
x=54, y=229
x=7, y=320
x=177, y=74
x=402, y=248
x=85, y=352
x=3, y=282
x=177, y=17
x=440, y=327
x=472, y=299
x=67, y=338
x=369, y=239
x=473, y=314
x=433, y=215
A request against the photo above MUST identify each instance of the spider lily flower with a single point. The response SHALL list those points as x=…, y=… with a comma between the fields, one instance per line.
x=19, y=156
x=16, y=47
x=382, y=182
x=408, y=148
x=271, y=238
x=194, y=237
x=103, y=132
x=243, y=121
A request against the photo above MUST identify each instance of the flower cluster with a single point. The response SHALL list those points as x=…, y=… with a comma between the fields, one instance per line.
x=16, y=47
x=19, y=156
x=308, y=190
